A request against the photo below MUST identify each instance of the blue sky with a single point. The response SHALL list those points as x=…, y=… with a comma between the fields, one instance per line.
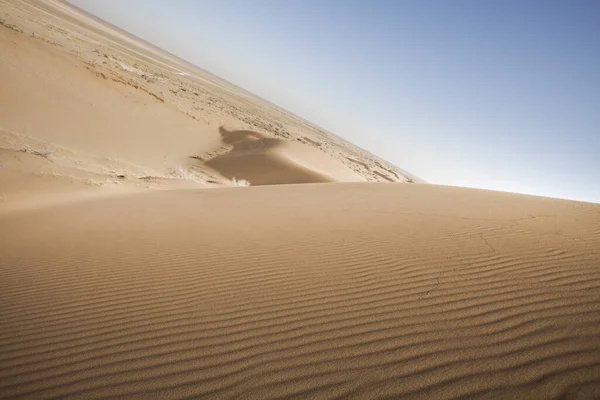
x=500, y=95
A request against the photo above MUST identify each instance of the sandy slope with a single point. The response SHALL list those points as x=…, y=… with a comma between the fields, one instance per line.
x=118, y=280
x=102, y=95
x=316, y=291
x=66, y=129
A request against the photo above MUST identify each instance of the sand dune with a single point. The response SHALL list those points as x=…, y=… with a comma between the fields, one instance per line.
x=107, y=111
x=315, y=291
x=129, y=268
x=71, y=82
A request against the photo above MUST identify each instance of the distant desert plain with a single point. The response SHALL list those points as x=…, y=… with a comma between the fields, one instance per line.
x=166, y=234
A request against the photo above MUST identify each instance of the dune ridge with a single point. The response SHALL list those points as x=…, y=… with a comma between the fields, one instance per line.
x=339, y=290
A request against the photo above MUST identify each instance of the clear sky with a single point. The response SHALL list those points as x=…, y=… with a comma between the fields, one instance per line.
x=501, y=95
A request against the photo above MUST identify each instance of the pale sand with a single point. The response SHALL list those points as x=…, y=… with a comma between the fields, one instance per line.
x=129, y=269
x=104, y=105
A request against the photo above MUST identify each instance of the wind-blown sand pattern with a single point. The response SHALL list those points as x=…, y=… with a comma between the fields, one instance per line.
x=316, y=291
x=131, y=266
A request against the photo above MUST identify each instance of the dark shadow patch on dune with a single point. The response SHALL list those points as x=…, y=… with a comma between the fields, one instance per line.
x=253, y=157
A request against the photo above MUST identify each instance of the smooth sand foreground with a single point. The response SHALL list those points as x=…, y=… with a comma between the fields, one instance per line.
x=363, y=290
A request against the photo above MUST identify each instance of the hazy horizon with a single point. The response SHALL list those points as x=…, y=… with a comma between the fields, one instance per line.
x=499, y=96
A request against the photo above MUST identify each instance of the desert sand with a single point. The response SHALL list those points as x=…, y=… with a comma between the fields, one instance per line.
x=165, y=234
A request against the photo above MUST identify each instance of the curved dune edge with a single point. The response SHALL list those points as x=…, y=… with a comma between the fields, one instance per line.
x=315, y=291
x=262, y=160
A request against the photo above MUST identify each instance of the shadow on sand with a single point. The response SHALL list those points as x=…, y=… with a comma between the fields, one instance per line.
x=260, y=160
